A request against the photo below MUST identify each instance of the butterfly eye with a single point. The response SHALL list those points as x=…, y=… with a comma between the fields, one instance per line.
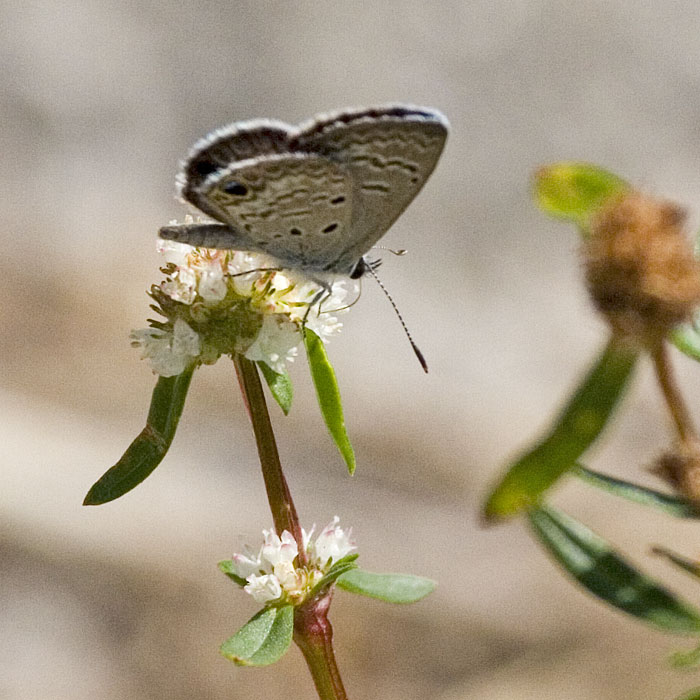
x=233, y=187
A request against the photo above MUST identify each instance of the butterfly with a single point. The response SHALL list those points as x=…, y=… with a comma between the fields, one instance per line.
x=316, y=196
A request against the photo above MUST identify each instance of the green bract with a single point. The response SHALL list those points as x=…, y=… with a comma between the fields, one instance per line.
x=677, y=506
x=263, y=640
x=577, y=427
x=391, y=588
x=328, y=395
x=574, y=191
x=280, y=386
x=604, y=573
x=147, y=451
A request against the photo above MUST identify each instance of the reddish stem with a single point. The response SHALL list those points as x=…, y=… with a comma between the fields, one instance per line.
x=284, y=514
x=313, y=635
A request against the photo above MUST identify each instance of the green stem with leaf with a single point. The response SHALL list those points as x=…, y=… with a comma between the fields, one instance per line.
x=312, y=630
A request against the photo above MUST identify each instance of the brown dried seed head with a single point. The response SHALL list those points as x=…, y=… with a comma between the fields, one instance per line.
x=640, y=268
x=681, y=469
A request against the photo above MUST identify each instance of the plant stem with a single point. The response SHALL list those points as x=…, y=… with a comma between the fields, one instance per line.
x=313, y=633
x=284, y=514
x=674, y=399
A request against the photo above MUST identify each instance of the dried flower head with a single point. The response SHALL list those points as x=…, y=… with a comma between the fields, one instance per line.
x=640, y=268
x=681, y=469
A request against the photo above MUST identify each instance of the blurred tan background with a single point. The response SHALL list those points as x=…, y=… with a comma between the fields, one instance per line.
x=100, y=99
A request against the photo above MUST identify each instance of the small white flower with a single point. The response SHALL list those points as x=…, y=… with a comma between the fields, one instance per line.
x=170, y=353
x=332, y=544
x=264, y=589
x=276, y=343
x=246, y=564
x=240, y=302
x=274, y=573
x=278, y=549
x=291, y=579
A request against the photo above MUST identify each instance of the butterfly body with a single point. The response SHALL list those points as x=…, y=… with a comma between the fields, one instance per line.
x=318, y=196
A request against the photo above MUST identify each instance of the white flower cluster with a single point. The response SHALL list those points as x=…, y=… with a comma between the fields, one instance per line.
x=209, y=285
x=272, y=575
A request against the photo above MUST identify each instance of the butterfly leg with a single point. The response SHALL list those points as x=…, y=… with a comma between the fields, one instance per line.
x=318, y=299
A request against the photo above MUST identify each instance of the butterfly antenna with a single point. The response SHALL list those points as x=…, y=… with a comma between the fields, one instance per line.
x=416, y=349
x=398, y=252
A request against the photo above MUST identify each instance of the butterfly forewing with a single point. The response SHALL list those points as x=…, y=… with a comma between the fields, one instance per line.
x=319, y=196
x=389, y=153
x=295, y=206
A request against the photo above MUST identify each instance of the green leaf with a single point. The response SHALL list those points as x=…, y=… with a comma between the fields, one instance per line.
x=392, y=588
x=147, y=451
x=227, y=568
x=574, y=191
x=338, y=569
x=673, y=505
x=263, y=640
x=691, y=695
x=687, y=339
x=686, y=660
x=576, y=428
x=280, y=386
x=604, y=573
x=328, y=395
x=688, y=565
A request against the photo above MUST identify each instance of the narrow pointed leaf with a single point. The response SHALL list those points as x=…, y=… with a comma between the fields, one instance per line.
x=147, y=451
x=686, y=660
x=338, y=569
x=673, y=505
x=691, y=695
x=227, y=568
x=687, y=339
x=263, y=640
x=577, y=427
x=280, y=386
x=575, y=191
x=688, y=565
x=604, y=573
x=392, y=588
x=328, y=396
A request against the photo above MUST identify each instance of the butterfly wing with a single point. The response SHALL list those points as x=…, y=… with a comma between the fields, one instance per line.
x=389, y=152
x=294, y=206
x=222, y=147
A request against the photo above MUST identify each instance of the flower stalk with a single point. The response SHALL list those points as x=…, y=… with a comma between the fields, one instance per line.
x=284, y=513
x=313, y=635
x=312, y=630
x=672, y=395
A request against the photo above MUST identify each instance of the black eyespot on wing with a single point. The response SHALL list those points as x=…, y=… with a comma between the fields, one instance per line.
x=338, y=200
x=295, y=231
x=235, y=188
x=329, y=228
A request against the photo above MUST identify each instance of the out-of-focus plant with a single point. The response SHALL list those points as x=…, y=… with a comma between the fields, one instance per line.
x=644, y=278
x=226, y=303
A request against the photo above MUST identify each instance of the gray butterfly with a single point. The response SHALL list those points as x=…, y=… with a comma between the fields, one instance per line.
x=318, y=196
